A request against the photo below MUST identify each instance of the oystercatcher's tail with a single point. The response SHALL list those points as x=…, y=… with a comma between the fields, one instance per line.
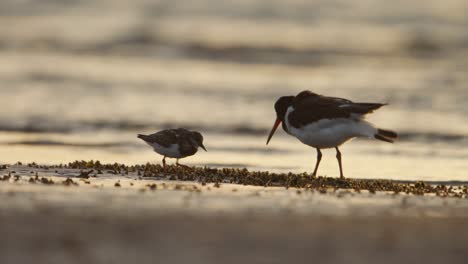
x=386, y=135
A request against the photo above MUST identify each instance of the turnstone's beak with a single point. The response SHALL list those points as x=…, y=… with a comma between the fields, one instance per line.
x=203, y=147
x=275, y=126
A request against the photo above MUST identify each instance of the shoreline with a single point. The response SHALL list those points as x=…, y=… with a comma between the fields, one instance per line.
x=241, y=176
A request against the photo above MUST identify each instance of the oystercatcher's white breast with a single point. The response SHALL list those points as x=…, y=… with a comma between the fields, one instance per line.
x=172, y=151
x=330, y=133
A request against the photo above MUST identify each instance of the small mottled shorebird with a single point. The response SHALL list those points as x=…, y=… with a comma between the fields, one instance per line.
x=326, y=122
x=174, y=143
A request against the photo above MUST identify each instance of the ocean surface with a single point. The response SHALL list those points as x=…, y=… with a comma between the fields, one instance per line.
x=79, y=80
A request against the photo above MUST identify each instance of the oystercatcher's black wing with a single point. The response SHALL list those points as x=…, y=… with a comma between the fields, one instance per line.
x=310, y=107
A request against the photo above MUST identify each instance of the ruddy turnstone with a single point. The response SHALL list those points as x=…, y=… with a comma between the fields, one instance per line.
x=174, y=143
x=326, y=122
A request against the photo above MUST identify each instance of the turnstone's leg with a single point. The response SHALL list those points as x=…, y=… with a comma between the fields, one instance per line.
x=338, y=157
x=164, y=162
x=319, y=158
x=181, y=165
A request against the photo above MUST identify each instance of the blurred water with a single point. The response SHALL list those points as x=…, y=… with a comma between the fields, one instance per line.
x=78, y=80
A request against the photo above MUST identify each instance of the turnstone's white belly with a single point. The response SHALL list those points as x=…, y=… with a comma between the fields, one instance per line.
x=172, y=151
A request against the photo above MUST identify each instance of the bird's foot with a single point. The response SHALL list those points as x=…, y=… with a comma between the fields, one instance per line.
x=183, y=166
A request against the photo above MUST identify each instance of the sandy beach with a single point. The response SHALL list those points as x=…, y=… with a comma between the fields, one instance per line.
x=65, y=215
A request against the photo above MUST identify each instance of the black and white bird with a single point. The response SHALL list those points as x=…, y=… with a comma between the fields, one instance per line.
x=174, y=143
x=326, y=122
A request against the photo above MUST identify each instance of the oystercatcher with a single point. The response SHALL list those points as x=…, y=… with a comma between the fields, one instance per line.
x=174, y=143
x=326, y=122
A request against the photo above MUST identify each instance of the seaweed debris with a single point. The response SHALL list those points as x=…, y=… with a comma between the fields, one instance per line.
x=243, y=176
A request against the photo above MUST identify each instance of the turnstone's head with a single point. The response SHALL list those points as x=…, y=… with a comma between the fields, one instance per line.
x=281, y=107
x=197, y=139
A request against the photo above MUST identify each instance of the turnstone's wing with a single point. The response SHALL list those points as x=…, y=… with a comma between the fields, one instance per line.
x=163, y=138
x=310, y=107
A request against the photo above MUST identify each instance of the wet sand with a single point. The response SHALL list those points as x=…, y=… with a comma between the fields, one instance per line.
x=66, y=215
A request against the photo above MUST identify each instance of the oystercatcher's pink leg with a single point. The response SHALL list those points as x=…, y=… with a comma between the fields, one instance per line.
x=319, y=158
x=338, y=157
x=164, y=162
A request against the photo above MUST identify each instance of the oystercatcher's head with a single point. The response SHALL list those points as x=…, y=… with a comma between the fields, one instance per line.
x=197, y=140
x=281, y=107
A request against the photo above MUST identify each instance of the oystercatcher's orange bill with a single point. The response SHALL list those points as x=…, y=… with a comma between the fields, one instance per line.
x=275, y=126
